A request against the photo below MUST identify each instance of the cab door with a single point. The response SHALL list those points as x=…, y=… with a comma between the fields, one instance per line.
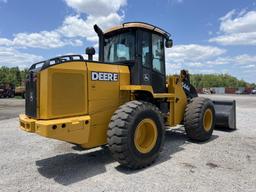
x=145, y=61
x=152, y=62
x=158, y=64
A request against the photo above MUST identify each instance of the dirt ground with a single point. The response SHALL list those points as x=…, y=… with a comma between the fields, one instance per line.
x=227, y=162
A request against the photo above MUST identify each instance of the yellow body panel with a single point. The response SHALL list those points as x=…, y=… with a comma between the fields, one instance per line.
x=73, y=129
x=63, y=91
x=104, y=98
x=178, y=102
x=147, y=88
x=163, y=95
x=27, y=124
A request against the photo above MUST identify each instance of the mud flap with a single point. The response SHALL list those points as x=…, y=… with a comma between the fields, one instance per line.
x=225, y=112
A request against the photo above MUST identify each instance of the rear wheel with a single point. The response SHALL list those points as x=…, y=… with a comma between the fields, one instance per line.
x=199, y=119
x=136, y=134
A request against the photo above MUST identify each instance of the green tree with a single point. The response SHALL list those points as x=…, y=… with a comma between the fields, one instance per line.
x=217, y=80
x=12, y=75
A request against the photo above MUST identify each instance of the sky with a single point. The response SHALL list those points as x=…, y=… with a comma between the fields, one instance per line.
x=209, y=36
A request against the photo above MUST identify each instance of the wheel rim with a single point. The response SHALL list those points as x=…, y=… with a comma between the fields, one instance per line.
x=207, y=120
x=145, y=136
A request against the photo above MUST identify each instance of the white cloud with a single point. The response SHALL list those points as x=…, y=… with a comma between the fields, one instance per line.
x=208, y=59
x=101, y=12
x=11, y=57
x=175, y=1
x=249, y=66
x=6, y=42
x=228, y=16
x=43, y=39
x=190, y=56
x=236, y=39
x=3, y=1
x=203, y=71
x=192, y=52
x=196, y=64
x=237, y=28
x=237, y=61
x=69, y=33
x=244, y=59
x=73, y=28
x=96, y=8
x=243, y=23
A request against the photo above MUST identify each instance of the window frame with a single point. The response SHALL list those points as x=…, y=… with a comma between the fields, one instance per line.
x=150, y=48
x=162, y=64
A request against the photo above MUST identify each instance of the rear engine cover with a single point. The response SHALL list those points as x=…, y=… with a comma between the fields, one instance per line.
x=63, y=90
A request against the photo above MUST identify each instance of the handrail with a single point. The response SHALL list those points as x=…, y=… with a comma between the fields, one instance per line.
x=57, y=60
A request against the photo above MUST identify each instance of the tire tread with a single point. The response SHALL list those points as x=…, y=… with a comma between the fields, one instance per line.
x=117, y=134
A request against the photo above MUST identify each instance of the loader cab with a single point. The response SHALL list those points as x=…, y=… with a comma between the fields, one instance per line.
x=141, y=47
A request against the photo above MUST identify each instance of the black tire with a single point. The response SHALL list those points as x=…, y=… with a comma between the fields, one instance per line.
x=194, y=119
x=121, y=134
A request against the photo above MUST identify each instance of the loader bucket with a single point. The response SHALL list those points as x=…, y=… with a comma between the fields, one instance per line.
x=225, y=114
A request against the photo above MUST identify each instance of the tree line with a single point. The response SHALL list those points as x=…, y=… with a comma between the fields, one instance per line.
x=16, y=76
x=12, y=75
x=218, y=80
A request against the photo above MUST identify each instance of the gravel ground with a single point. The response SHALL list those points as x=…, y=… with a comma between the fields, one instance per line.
x=10, y=108
x=225, y=163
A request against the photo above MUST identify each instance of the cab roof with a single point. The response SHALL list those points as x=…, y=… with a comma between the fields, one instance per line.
x=139, y=25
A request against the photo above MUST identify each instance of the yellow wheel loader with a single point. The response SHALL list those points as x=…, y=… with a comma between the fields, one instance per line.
x=123, y=100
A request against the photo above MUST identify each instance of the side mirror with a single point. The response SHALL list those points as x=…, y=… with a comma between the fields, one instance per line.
x=168, y=43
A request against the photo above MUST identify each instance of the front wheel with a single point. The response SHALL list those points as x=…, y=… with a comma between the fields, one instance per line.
x=136, y=134
x=199, y=120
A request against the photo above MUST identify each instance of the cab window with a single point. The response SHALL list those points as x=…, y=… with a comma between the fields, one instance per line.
x=120, y=47
x=158, y=53
x=146, y=49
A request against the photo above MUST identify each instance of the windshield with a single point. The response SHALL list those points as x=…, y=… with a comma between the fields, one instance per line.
x=120, y=47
